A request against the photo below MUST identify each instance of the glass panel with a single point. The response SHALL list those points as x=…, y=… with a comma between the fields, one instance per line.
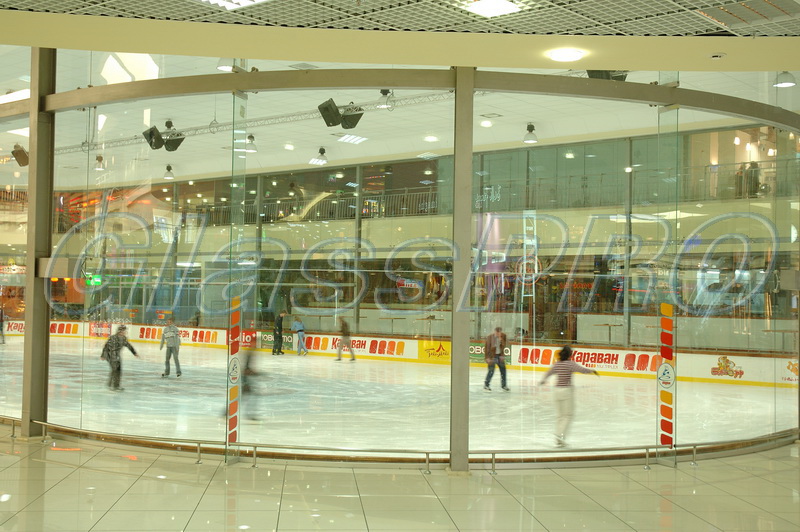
x=13, y=266
x=130, y=213
x=351, y=251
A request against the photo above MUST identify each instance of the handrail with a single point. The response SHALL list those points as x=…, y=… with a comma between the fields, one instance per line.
x=579, y=450
x=14, y=421
x=426, y=453
x=195, y=442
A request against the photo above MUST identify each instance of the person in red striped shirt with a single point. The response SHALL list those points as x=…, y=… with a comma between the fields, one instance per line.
x=564, y=396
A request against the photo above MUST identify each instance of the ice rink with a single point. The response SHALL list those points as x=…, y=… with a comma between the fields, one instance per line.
x=375, y=404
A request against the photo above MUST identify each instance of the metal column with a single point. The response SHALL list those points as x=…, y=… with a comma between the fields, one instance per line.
x=462, y=237
x=36, y=347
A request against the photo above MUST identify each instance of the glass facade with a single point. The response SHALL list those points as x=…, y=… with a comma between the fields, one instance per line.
x=662, y=250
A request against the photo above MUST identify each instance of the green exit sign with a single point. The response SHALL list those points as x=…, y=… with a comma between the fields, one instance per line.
x=94, y=280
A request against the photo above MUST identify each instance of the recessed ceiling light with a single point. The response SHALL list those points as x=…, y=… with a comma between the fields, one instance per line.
x=351, y=139
x=492, y=8
x=431, y=138
x=288, y=146
x=565, y=55
x=486, y=123
x=232, y=4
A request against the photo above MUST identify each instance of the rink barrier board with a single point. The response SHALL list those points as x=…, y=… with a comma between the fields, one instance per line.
x=737, y=369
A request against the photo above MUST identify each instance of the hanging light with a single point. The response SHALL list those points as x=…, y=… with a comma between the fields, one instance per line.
x=530, y=137
x=98, y=165
x=784, y=79
x=168, y=174
x=320, y=159
x=387, y=100
x=250, y=145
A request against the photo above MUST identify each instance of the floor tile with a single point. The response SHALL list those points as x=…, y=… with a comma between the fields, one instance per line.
x=746, y=521
x=400, y=502
x=51, y=520
x=214, y=521
x=595, y=520
x=410, y=520
x=296, y=502
x=665, y=521
x=139, y=521
x=521, y=520
x=321, y=520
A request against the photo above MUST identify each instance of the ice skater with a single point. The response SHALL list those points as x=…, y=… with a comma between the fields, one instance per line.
x=300, y=329
x=172, y=338
x=495, y=353
x=345, y=341
x=277, y=335
x=564, y=395
x=112, y=354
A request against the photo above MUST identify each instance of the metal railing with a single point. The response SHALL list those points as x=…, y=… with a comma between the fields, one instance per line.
x=605, y=453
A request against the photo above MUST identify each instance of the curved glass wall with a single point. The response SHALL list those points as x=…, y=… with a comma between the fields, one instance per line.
x=633, y=234
x=14, y=268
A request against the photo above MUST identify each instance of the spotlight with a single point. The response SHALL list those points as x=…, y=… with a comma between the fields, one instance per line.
x=320, y=159
x=168, y=174
x=250, y=145
x=98, y=165
x=530, y=137
x=172, y=137
x=387, y=100
x=351, y=116
x=20, y=155
x=153, y=138
x=784, y=79
x=330, y=113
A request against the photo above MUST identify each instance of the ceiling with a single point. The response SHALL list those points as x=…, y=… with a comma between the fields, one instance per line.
x=536, y=17
x=278, y=117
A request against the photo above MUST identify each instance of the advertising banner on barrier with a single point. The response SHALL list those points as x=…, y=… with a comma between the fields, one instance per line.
x=70, y=329
x=699, y=366
x=189, y=335
x=99, y=329
x=371, y=346
x=434, y=351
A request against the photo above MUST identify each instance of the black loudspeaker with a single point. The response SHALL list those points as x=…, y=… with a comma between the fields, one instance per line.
x=153, y=138
x=615, y=75
x=330, y=113
x=20, y=155
x=173, y=142
x=351, y=117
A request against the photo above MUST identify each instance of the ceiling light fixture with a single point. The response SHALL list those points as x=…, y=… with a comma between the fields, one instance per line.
x=387, y=100
x=320, y=159
x=565, y=55
x=530, y=137
x=250, y=145
x=351, y=139
x=486, y=123
x=20, y=155
x=431, y=138
x=288, y=146
x=492, y=8
x=98, y=165
x=168, y=174
x=232, y=4
x=784, y=79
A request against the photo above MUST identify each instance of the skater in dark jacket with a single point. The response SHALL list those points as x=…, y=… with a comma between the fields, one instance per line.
x=112, y=354
x=172, y=338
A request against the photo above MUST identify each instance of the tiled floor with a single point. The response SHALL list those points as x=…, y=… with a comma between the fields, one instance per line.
x=79, y=486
